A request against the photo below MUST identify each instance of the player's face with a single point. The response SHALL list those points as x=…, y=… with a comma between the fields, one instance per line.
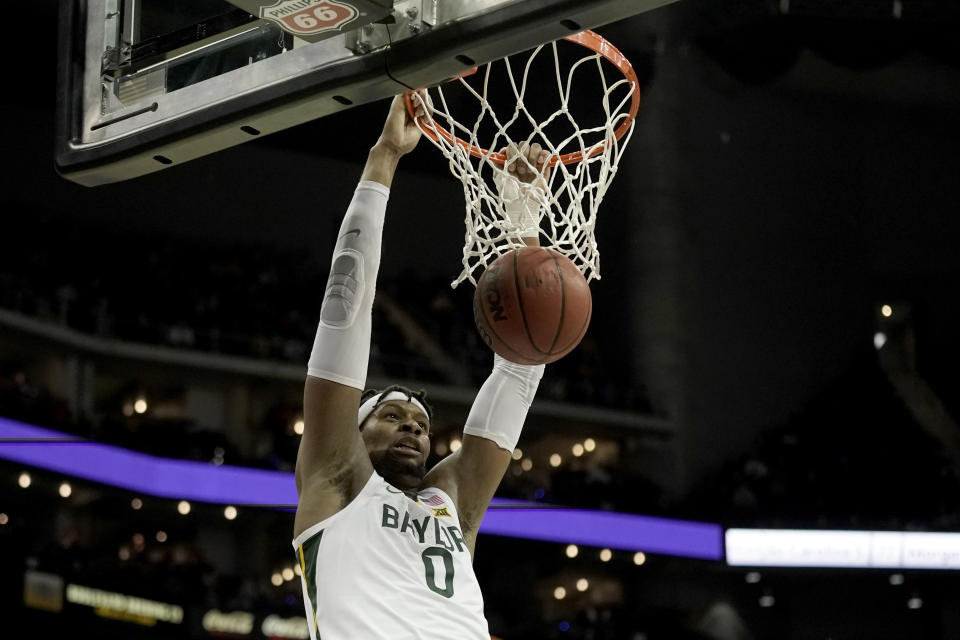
x=397, y=437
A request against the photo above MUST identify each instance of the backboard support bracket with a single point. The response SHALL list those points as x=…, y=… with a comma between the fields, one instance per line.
x=153, y=127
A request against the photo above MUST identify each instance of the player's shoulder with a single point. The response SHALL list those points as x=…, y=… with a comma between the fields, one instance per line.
x=440, y=480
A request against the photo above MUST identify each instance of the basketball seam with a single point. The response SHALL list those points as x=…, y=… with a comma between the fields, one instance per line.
x=504, y=343
x=563, y=302
x=583, y=330
x=489, y=325
x=523, y=313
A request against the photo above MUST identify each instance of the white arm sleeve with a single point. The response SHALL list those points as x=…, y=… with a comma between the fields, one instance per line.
x=501, y=405
x=341, y=350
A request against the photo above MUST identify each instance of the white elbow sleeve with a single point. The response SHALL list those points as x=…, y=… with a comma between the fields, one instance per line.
x=341, y=349
x=501, y=406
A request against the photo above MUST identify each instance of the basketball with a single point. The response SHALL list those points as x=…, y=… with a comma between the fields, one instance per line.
x=532, y=305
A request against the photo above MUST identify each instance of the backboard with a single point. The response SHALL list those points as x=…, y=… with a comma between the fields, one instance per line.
x=148, y=84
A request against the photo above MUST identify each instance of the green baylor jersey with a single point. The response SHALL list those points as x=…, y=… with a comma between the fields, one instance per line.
x=388, y=566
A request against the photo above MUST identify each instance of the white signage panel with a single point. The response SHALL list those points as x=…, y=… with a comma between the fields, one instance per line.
x=847, y=549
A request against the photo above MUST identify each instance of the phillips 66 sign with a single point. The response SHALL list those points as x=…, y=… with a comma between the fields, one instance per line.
x=310, y=17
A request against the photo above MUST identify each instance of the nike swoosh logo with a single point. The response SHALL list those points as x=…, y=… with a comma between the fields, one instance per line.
x=356, y=231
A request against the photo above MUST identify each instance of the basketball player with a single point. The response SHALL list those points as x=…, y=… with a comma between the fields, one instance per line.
x=386, y=547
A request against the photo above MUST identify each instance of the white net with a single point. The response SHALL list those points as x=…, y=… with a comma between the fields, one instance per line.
x=585, y=137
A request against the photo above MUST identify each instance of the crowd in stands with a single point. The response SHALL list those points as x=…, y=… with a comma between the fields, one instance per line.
x=22, y=399
x=854, y=458
x=98, y=541
x=579, y=482
x=264, y=304
x=103, y=545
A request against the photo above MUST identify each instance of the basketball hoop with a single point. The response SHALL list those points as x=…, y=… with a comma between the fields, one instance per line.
x=583, y=156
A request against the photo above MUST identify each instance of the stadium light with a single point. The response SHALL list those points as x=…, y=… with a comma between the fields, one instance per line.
x=879, y=339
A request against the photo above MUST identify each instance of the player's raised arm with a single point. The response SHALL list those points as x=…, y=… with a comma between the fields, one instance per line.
x=472, y=474
x=332, y=462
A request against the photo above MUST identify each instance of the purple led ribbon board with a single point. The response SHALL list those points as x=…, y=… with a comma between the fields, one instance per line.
x=225, y=484
x=143, y=473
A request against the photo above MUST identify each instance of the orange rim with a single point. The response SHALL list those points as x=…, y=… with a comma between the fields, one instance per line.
x=591, y=41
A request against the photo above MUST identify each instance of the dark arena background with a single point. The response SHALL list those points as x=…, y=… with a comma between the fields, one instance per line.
x=758, y=437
